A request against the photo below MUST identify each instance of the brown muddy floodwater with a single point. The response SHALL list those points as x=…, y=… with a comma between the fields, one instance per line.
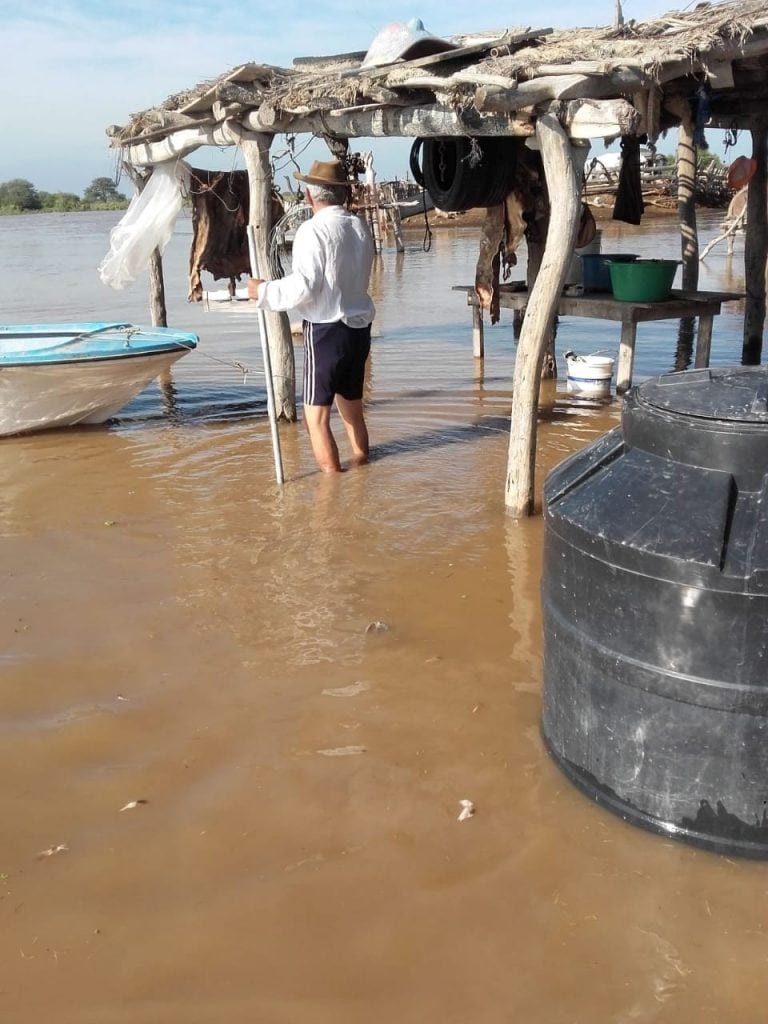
x=179, y=632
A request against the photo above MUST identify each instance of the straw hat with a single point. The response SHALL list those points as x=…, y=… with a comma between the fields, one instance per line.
x=741, y=172
x=330, y=172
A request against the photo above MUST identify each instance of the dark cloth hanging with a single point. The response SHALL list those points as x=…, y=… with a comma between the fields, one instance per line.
x=629, y=205
x=587, y=227
x=220, y=202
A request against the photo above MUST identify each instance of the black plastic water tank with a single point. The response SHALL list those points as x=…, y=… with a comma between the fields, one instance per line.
x=655, y=600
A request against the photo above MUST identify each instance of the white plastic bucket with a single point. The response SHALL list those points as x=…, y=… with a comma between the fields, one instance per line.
x=589, y=375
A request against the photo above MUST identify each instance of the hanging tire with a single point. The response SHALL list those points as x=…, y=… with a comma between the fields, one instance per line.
x=418, y=177
x=454, y=184
x=448, y=177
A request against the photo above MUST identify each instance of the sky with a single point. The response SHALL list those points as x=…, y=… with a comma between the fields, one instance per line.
x=70, y=68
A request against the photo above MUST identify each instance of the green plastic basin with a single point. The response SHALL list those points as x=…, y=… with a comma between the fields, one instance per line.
x=642, y=280
x=595, y=269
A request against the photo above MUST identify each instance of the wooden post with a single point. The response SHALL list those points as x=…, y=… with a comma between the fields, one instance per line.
x=686, y=199
x=256, y=153
x=563, y=165
x=704, y=340
x=626, y=356
x=372, y=214
x=397, y=228
x=756, y=248
x=535, y=256
x=157, y=309
x=687, y=160
x=478, y=336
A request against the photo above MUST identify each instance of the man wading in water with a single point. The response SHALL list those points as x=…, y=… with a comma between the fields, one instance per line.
x=328, y=287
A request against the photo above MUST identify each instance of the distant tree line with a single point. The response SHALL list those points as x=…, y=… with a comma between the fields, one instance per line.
x=21, y=196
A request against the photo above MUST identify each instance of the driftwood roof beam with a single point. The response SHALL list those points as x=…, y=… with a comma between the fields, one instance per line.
x=163, y=132
x=560, y=87
x=426, y=121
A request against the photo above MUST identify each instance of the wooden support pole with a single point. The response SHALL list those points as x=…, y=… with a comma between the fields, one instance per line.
x=535, y=256
x=157, y=308
x=563, y=165
x=756, y=248
x=397, y=227
x=372, y=215
x=704, y=340
x=478, y=335
x=256, y=154
x=626, y=356
x=686, y=199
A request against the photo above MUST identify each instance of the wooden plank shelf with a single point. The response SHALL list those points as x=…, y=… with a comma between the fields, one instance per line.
x=704, y=306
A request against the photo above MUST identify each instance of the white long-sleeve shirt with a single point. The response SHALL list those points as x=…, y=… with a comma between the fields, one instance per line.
x=332, y=259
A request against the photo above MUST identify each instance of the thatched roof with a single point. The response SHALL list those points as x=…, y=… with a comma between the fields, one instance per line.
x=720, y=48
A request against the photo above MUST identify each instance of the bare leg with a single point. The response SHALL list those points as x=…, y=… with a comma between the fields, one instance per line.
x=318, y=420
x=351, y=412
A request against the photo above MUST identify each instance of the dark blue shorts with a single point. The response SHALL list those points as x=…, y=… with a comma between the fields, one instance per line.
x=334, y=361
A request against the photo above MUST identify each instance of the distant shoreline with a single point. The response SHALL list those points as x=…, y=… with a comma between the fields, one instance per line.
x=90, y=208
x=476, y=216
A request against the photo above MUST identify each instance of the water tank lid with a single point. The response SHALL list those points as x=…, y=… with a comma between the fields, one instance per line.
x=738, y=394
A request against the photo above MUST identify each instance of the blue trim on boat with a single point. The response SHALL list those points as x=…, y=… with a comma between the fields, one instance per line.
x=25, y=344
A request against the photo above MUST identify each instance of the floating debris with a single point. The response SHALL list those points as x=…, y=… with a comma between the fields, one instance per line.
x=342, y=751
x=133, y=803
x=346, y=691
x=110, y=522
x=59, y=848
x=467, y=810
x=377, y=627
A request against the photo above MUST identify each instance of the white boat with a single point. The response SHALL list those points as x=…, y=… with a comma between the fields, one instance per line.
x=59, y=375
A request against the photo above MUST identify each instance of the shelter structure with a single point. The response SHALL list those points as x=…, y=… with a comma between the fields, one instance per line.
x=551, y=93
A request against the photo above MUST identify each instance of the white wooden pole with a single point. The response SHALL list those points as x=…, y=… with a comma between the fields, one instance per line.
x=267, y=364
x=563, y=164
x=256, y=154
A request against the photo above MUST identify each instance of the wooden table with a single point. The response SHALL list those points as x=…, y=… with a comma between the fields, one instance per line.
x=602, y=306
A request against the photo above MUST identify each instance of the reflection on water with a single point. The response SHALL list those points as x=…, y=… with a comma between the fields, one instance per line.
x=171, y=622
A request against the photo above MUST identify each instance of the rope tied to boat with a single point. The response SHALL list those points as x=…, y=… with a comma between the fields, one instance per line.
x=245, y=370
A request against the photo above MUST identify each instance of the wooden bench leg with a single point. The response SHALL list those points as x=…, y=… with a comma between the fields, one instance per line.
x=478, y=340
x=626, y=357
x=517, y=322
x=703, y=340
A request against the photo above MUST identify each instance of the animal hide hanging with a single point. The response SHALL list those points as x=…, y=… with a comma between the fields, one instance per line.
x=220, y=202
x=514, y=228
x=488, y=261
x=503, y=230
